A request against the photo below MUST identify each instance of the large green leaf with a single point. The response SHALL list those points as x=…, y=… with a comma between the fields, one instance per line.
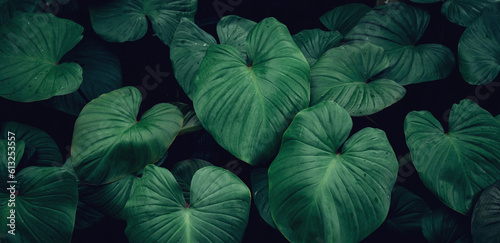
x=40, y=203
x=126, y=20
x=486, y=216
x=218, y=212
x=444, y=225
x=9, y=9
x=406, y=212
x=39, y=148
x=101, y=74
x=325, y=187
x=260, y=189
x=343, y=18
x=479, y=48
x=190, y=43
x=109, y=142
x=458, y=163
x=346, y=75
x=247, y=107
x=313, y=43
x=31, y=47
x=397, y=27
x=464, y=12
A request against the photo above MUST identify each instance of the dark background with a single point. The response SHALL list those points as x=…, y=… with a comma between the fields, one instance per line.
x=436, y=97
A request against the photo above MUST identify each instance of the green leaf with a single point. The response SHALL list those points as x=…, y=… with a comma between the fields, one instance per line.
x=325, y=187
x=426, y=1
x=457, y=164
x=39, y=148
x=478, y=49
x=109, y=142
x=397, y=27
x=343, y=18
x=187, y=50
x=347, y=75
x=45, y=204
x=443, y=225
x=486, y=215
x=126, y=20
x=31, y=47
x=406, y=212
x=313, y=43
x=218, y=212
x=101, y=74
x=184, y=171
x=464, y=12
x=86, y=216
x=247, y=108
x=260, y=188
x=9, y=9
x=191, y=122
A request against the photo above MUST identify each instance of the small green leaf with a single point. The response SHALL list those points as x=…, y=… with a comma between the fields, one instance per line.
x=346, y=75
x=486, y=215
x=444, y=225
x=464, y=12
x=406, y=212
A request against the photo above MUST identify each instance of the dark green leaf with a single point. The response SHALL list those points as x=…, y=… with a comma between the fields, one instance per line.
x=344, y=18
x=313, y=43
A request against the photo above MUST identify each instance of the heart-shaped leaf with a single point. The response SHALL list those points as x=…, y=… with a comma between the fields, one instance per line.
x=486, y=215
x=233, y=31
x=478, y=49
x=260, y=189
x=464, y=12
x=397, y=27
x=325, y=187
x=313, y=43
x=343, y=18
x=218, y=210
x=109, y=142
x=458, y=163
x=40, y=149
x=247, y=108
x=126, y=20
x=101, y=74
x=31, y=47
x=346, y=75
x=38, y=204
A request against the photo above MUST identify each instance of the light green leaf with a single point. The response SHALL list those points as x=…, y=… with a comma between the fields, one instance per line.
x=346, y=75
x=126, y=20
x=397, y=27
x=343, y=18
x=458, y=163
x=246, y=108
x=31, y=47
x=325, y=187
x=313, y=43
x=218, y=212
x=110, y=142
x=478, y=49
